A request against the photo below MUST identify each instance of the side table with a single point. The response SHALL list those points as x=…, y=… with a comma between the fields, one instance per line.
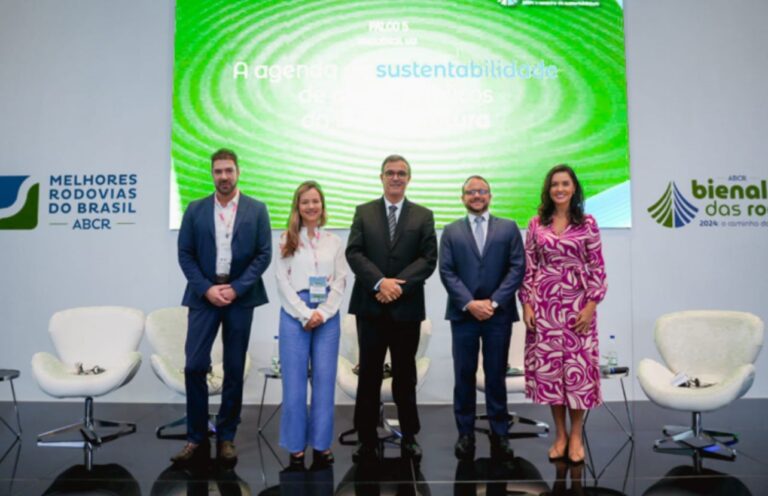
x=9, y=375
x=268, y=374
x=606, y=374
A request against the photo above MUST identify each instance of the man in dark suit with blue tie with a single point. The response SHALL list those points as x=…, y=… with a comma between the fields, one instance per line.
x=392, y=249
x=482, y=263
x=225, y=245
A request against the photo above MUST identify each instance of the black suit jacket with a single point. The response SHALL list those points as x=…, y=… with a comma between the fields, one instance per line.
x=411, y=256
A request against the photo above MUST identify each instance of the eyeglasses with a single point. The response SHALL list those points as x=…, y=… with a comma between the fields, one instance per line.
x=391, y=173
x=473, y=192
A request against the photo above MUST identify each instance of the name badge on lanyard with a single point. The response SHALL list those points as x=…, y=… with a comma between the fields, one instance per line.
x=317, y=285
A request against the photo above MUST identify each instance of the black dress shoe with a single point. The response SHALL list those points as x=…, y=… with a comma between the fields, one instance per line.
x=410, y=449
x=365, y=452
x=465, y=447
x=500, y=448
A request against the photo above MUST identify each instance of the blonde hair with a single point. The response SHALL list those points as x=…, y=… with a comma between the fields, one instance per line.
x=294, y=219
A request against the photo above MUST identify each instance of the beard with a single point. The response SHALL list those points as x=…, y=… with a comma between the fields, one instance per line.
x=477, y=210
x=225, y=187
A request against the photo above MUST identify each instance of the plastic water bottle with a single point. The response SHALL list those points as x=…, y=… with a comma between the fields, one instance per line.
x=275, y=356
x=611, y=355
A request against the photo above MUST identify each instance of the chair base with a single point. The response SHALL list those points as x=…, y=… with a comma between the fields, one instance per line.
x=685, y=439
x=88, y=429
x=160, y=432
x=542, y=428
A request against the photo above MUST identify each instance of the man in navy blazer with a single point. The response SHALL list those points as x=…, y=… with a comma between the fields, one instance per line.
x=225, y=245
x=482, y=263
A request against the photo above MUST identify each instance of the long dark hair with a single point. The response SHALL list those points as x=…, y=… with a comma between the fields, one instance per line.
x=294, y=219
x=547, y=206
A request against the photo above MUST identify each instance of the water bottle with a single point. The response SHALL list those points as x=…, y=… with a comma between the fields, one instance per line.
x=611, y=355
x=275, y=356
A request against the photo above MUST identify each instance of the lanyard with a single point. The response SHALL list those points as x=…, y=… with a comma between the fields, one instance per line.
x=313, y=246
x=228, y=221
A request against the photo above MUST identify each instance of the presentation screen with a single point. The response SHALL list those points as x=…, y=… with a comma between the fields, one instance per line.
x=325, y=89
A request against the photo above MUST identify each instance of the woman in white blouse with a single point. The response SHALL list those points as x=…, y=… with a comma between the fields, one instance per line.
x=311, y=277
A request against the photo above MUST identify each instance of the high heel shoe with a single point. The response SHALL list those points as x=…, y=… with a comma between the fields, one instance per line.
x=322, y=459
x=560, y=456
x=576, y=461
x=296, y=461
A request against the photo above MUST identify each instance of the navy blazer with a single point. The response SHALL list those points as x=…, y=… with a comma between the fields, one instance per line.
x=469, y=275
x=411, y=256
x=251, y=251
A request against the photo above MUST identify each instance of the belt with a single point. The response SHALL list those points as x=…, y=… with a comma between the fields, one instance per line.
x=221, y=278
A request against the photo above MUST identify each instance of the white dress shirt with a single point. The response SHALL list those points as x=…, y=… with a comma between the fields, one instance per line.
x=224, y=224
x=399, y=206
x=321, y=256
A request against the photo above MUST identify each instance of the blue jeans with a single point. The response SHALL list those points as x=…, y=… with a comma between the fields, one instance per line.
x=298, y=349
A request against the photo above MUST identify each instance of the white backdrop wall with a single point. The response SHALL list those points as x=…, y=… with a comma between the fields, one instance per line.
x=85, y=88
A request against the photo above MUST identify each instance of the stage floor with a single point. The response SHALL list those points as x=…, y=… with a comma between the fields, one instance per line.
x=138, y=463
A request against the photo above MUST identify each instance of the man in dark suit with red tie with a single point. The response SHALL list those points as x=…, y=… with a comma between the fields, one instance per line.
x=482, y=263
x=225, y=245
x=392, y=249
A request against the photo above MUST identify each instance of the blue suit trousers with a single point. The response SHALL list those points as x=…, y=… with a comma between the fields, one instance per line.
x=467, y=336
x=203, y=324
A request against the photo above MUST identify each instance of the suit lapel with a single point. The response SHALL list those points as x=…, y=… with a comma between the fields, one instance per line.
x=491, y=232
x=242, y=209
x=467, y=230
x=383, y=222
x=208, y=216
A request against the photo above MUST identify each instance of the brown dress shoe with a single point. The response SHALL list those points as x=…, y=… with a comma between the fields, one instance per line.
x=191, y=452
x=226, y=451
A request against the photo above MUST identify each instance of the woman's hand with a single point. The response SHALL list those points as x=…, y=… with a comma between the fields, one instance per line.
x=584, y=319
x=315, y=320
x=529, y=318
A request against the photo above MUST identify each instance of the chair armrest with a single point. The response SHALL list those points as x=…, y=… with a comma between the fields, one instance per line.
x=346, y=378
x=61, y=381
x=422, y=368
x=168, y=373
x=740, y=380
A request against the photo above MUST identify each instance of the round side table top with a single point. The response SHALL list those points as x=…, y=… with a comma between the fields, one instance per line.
x=8, y=374
x=269, y=372
x=611, y=372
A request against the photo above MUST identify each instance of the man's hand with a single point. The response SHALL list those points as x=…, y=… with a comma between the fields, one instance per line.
x=529, y=316
x=389, y=290
x=315, y=320
x=217, y=295
x=228, y=292
x=584, y=319
x=480, y=309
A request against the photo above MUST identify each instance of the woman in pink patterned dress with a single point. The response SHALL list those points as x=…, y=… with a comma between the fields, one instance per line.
x=564, y=281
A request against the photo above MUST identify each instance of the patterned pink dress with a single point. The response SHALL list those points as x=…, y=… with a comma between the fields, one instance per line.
x=562, y=273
